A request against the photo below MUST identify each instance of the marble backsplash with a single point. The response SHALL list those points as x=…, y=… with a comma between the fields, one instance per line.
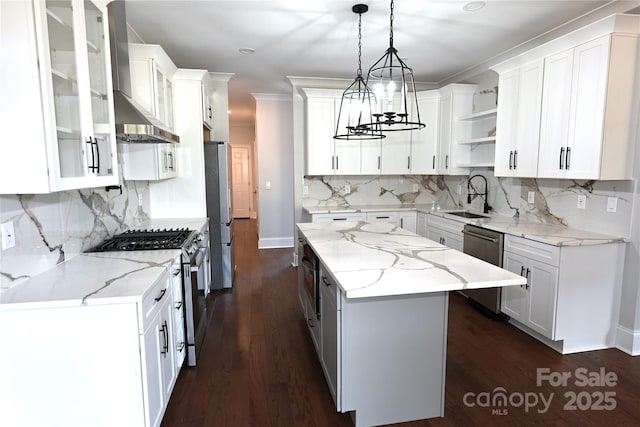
x=555, y=201
x=52, y=228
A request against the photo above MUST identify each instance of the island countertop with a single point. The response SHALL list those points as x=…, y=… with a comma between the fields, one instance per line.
x=380, y=259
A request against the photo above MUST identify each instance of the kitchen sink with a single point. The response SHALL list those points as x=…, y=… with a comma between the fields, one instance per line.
x=466, y=214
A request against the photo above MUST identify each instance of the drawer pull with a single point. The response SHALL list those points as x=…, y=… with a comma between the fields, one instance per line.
x=161, y=295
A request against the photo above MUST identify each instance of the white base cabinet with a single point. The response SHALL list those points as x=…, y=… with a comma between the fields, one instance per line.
x=569, y=301
x=445, y=231
x=365, y=360
x=99, y=365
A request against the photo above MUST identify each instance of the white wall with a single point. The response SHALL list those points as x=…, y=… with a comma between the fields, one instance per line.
x=274, y=141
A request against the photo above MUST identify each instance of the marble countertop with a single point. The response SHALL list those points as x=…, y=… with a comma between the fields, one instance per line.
x=99, y=277
x=551, y=234
x=92, y=278
x=380, y=259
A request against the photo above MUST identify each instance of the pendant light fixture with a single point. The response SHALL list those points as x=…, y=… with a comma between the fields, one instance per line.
x=392, y=82
x=354, y=117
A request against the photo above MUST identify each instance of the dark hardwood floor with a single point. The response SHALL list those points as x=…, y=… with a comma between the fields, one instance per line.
x=258, y=366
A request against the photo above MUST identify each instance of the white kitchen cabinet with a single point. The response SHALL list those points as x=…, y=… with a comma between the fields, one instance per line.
x=424, y=142
x=178, y=336
x=407, y=220
x=58, y=87
x=481, y=144
x=326, y=156
x=456, y=101
x=207, y=104
x=588, y=114
x=421, y=223
x=152, y=81
x=382, y=216
x=569, y=301
x=347, y=216
x=395, y=153
x=149, y=162
x=518, y=120
x=447, y=232
x=533, y=304
x=95, y=357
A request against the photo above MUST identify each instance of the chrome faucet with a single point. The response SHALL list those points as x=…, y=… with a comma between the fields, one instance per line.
x=485, y=194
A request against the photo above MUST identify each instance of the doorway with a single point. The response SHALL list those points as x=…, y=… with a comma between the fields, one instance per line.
x=241, y=181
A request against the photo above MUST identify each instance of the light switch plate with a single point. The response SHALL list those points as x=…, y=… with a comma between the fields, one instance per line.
x=347, y=189
x=305, y=190
x=415, y=188
x=8, y=235
x=531, y=197
x=612, y=204
x=582, y=201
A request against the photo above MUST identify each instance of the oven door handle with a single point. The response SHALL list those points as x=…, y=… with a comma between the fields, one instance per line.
x=307, y=265
x=199, y=259
x=480, y=236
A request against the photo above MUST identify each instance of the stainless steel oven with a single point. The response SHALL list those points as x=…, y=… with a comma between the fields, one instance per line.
x=308, y=275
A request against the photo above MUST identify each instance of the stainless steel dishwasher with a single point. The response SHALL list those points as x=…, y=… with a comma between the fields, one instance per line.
x=486, y=245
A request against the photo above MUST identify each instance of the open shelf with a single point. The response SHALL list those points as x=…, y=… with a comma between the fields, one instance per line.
x=480, y=115
x=483, y=140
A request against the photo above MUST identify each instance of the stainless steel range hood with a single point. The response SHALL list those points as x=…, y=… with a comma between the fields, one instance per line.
x=131, y=124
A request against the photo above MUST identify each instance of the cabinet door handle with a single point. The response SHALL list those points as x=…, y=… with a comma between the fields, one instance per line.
x=180, y=347
x=210, y=113
x=446, y=161
x=522, y=271
x=337, y=162
x=561, y=158
x=401, y=222
x=382, y=217
x=92, y=167
x=339, y=219
x=408, y=162
x=515, y=159
x=324, y=280
x=433, y=162
x=568, y=158
x=161, y=295
x=165, y=337
x=379, y=162
x=332, y=162
x=510, y=159
x=526, y=286
x=179, y=305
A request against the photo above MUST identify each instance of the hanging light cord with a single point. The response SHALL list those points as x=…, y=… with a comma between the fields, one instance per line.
x=391, y=26
x=360, y=44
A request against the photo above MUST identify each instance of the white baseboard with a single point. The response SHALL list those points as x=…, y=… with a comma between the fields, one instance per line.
x=628, y=340
x=275, y=242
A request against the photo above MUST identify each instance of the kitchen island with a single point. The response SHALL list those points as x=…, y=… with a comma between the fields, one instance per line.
x=381, y=330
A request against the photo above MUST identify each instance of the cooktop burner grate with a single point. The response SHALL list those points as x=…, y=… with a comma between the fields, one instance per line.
x=144, y=240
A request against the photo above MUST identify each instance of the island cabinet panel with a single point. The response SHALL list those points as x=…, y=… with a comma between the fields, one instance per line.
x=376, y=358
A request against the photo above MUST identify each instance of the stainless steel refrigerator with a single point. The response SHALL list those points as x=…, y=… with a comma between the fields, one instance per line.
x=217, y=171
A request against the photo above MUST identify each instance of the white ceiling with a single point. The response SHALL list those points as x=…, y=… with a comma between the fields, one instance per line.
x=315, y=38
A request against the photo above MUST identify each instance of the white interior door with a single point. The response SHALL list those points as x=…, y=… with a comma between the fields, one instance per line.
x=241, y=182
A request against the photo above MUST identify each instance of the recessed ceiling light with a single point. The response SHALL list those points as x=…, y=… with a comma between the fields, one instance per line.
x=247, y=50
x=474, y=5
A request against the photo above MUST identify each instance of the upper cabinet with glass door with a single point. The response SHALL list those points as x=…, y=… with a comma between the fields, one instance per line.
x=57, y=97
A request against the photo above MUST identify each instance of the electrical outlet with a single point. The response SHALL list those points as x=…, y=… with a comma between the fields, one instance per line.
x=459, y=189
x=582, y=201
x=416, y=187
x=8, y=235
x=347, y=189
x=139, y=199
x=305, y=190
x=612, y=204
x=400, y=180
x=531, y=197
x=267, y=185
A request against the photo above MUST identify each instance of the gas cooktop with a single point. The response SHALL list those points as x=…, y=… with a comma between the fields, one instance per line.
x=144, y=240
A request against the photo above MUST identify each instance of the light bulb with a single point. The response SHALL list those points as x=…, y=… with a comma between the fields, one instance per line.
x=391, y=87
